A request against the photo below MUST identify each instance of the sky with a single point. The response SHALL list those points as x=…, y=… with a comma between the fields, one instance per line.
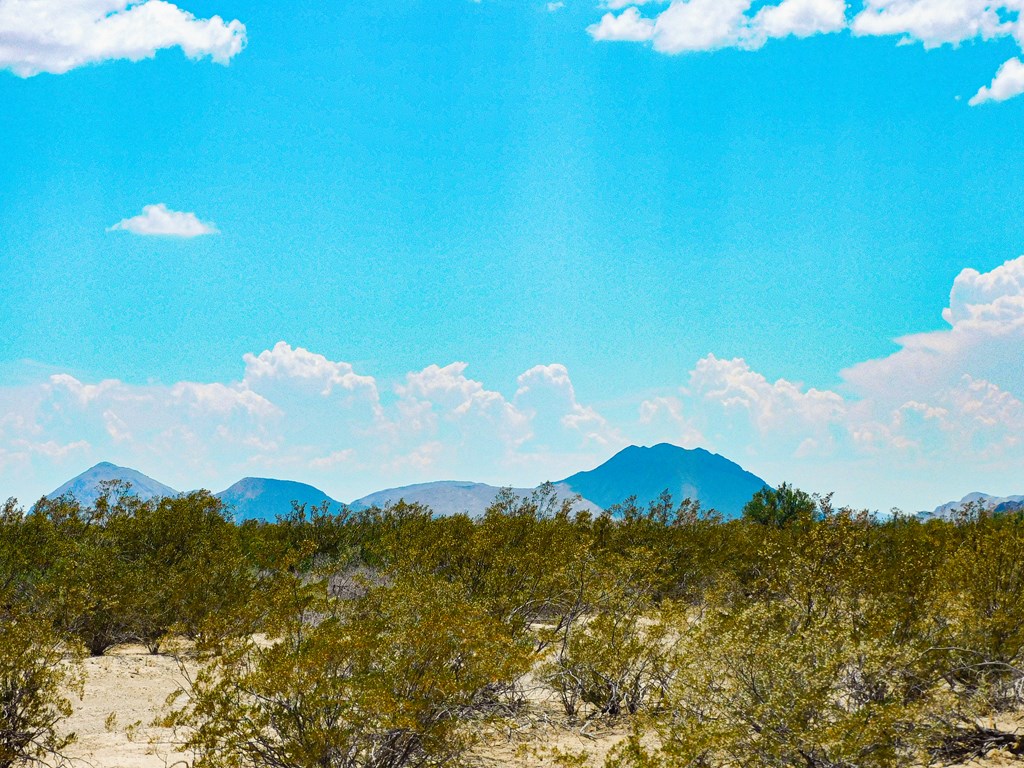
x=363, y=246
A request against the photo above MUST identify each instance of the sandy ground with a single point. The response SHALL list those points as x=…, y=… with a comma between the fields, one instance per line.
x=127, y=690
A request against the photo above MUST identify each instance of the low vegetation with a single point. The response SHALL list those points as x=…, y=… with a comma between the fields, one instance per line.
x=801, y=635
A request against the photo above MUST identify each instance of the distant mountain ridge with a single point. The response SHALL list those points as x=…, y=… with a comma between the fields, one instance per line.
x=86, y=486
x=263, y=498
x=713, y=480
x=449, y=497
x=977, y=498
x=635, y=471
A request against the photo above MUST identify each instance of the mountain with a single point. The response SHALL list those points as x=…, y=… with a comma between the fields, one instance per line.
x=645, y=472
x=711, y=479
x=986, y=500
x=85, y=487
x=261, y=498
x=452, y=497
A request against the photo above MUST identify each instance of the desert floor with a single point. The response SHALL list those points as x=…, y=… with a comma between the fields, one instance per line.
x=128, y=689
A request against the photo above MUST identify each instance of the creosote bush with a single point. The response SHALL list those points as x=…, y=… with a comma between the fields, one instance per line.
x=36, y=679
x=387, y=680
x=799, y=635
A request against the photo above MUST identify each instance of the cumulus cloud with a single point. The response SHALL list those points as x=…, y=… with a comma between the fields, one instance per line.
x=772, y=407
x=985, y=339
x=298, y=413
x=801, y=18
x=628, y=26
x=934, y=22
x=59, y=35
x=1008, y=82
x=707, y=25
x=160, y=220
x=285, y=362
x=701, y=25
x=942, y=415
x=548, y=392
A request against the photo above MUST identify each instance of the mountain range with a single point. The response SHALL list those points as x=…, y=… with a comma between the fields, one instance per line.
x=985, y=500
x=636, y=471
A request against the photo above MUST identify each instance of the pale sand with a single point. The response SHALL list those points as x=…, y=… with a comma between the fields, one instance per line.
x=127, y=690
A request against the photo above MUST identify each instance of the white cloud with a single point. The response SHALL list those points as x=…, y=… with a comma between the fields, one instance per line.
x=701, y=25
x=296, y=413
x=672, y=411
x=772, y=406
x=59, y=35
x=628, y=26
x=708, y=25
x=547, y=391
x=284, y=362
x=557, y=6
x=52, y=449
x=1008, y=82
x=985, y=339
x=941, y=416
x=933, y=22
x=333, y=459
x=160, y=220
x=444, y=401
x=801, y=18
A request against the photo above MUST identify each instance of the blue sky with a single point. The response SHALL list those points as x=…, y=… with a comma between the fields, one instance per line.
x=486, y=240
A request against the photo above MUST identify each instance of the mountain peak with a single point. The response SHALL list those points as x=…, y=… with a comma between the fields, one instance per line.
x=645, y=472
x=264, y=498
x=85, y=488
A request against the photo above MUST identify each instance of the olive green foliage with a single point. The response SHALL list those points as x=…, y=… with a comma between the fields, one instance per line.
x=382, y=681
x=35, y=680
x=803, y=670
x=799, y=635
x=611, y=650
x=35, y=674
x=124, y=570
x=778, y=507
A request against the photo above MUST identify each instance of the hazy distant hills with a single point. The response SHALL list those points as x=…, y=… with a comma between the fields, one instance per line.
x=449, y=497
x=86, y=487
x=262, y=498
x=697, y=474
x=995, y=503
x=644, y=472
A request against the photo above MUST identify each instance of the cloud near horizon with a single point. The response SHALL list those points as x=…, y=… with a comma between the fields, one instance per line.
x=941, y=416
x=681, y=26
x=159, y=220
x=56, y=36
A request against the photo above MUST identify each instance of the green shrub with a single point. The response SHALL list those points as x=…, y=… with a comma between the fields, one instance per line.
x=386, y=681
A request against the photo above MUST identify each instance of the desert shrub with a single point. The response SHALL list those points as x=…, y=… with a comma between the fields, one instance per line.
x=522, y=558
x=124, y=570
x=759, y=687
x=611, y=652
x=324, y=537
x=779, y=507
x=35, y=679
x=981, y=605
x=181, y=569
x=803, y=669
x=386, y=680
x=691, y=547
